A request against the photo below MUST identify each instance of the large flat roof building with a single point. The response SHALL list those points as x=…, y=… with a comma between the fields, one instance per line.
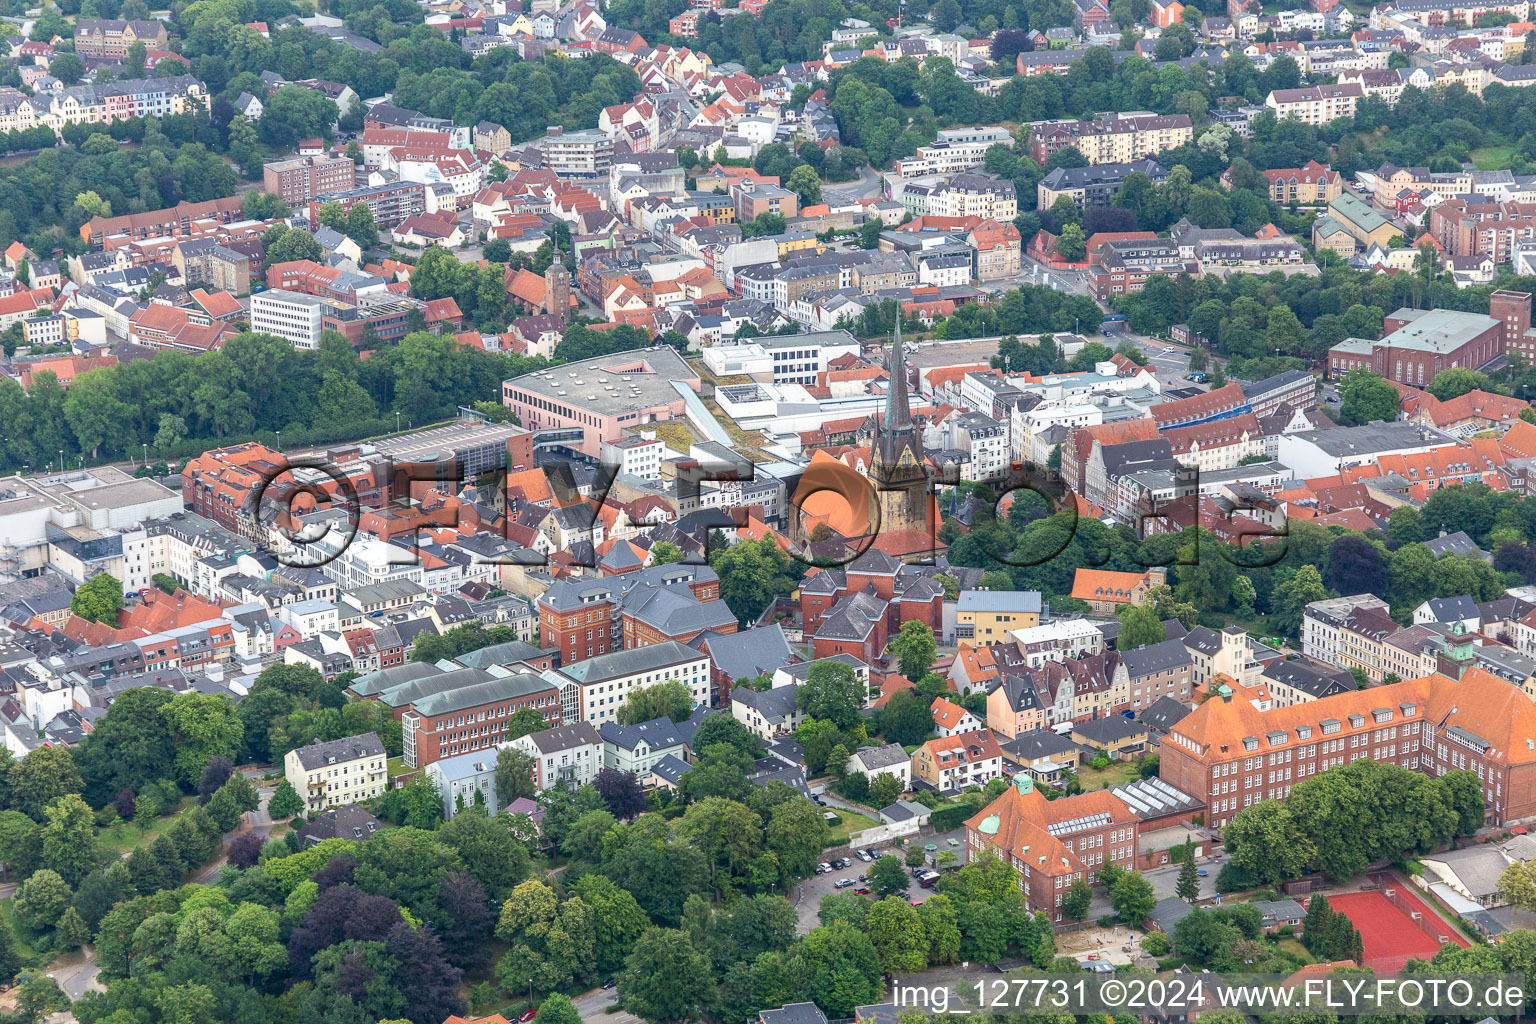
x=604, y=395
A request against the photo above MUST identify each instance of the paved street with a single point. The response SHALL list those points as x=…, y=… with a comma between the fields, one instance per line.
x=78, y=977
x=869, y=184
x=258, y=821
x=594, y=1007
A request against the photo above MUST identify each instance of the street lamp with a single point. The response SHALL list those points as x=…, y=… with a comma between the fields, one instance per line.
x=279, y=440
x=146, y=454
x=397, y=423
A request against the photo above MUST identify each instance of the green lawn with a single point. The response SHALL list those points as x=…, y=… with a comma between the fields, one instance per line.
x=123, y=836
x=1492, y=158
x=1118, y=773
x=851, y=823
x=1296, y=949
x=8, y=915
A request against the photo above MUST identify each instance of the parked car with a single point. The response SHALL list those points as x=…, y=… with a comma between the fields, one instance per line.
x=823, y=868
x=843, y=883
x=527, y=1016
x=862, y=890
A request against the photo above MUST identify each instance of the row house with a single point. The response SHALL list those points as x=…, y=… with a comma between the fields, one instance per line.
x=123, y=100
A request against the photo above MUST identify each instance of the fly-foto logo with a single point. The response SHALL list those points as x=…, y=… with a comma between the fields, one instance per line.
x=309, y=512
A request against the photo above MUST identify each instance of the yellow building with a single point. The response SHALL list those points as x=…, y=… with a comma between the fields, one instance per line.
x=985, y=617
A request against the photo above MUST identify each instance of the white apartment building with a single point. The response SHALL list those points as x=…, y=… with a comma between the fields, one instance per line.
x=593, y=690
x=293, y=316
x=635, y=456
x=955, y=150
x=1321, y=622
x=1058, y=640
x=336, y=773
x=1315, y=105
x=569, y=756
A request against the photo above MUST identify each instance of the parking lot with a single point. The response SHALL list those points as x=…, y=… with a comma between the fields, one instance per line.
x=808, y=893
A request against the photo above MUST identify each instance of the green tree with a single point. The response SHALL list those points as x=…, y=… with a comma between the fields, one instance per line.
x=670, y=700
x=71, y=931
x=897, y=935
x=915, y=648
x=37, y=779
x=804, y=181
x=99, y=599
x=752, y=575
x=832, y=693
x=1072, y=244
x=1139, y=626
x=887, y=877
x=1188, y=886
x=41, y=899
x=1455, y=382
x=285, y=802
x=665, y=979
x=1078, y=899
x=557, y=1008
x=69, y=838
x=1366, y=397
x=1132, y=898
x=204, y=726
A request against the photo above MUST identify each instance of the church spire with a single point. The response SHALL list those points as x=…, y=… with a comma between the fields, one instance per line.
x=898, y=413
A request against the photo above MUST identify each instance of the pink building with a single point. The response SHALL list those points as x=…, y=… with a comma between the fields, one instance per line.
x=604, y=395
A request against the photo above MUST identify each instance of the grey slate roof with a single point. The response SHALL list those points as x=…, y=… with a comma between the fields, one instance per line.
x=775, y=705
x=743, y=655
x=875, y=758
x=565, y=737
x=348, y=748
x=1159, y=657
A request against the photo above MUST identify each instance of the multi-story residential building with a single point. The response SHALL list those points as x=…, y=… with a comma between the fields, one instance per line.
x=890, y=759
x=768, y=714
x=955, y=150
x=999, y=253
x=1322, y=620
x=122, y=100
x=473, y=716
x=581, y=154
x=294, y=316
x=217, y=267
x=336, y=773
x=593, y=689
x=1361, y=638
x=1052, y=843
x=1316, y=105
x=466, y=780
x=567, y=756
x=754, y=198
x=1117, y=140
x=1093, y=186
x=300, y=179
x=1159, y=670
x=953, y=763
x=985, y=617
x=1230, y=755
x=1469, y=226
x=1303, y=680
x=110, y=39
x=1307, y=185
x=1058, y=640
x=1124, y=266
x=392, y=203
x=975, y=195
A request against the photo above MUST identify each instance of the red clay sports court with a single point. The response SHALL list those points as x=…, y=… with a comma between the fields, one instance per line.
x=1388, y=930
